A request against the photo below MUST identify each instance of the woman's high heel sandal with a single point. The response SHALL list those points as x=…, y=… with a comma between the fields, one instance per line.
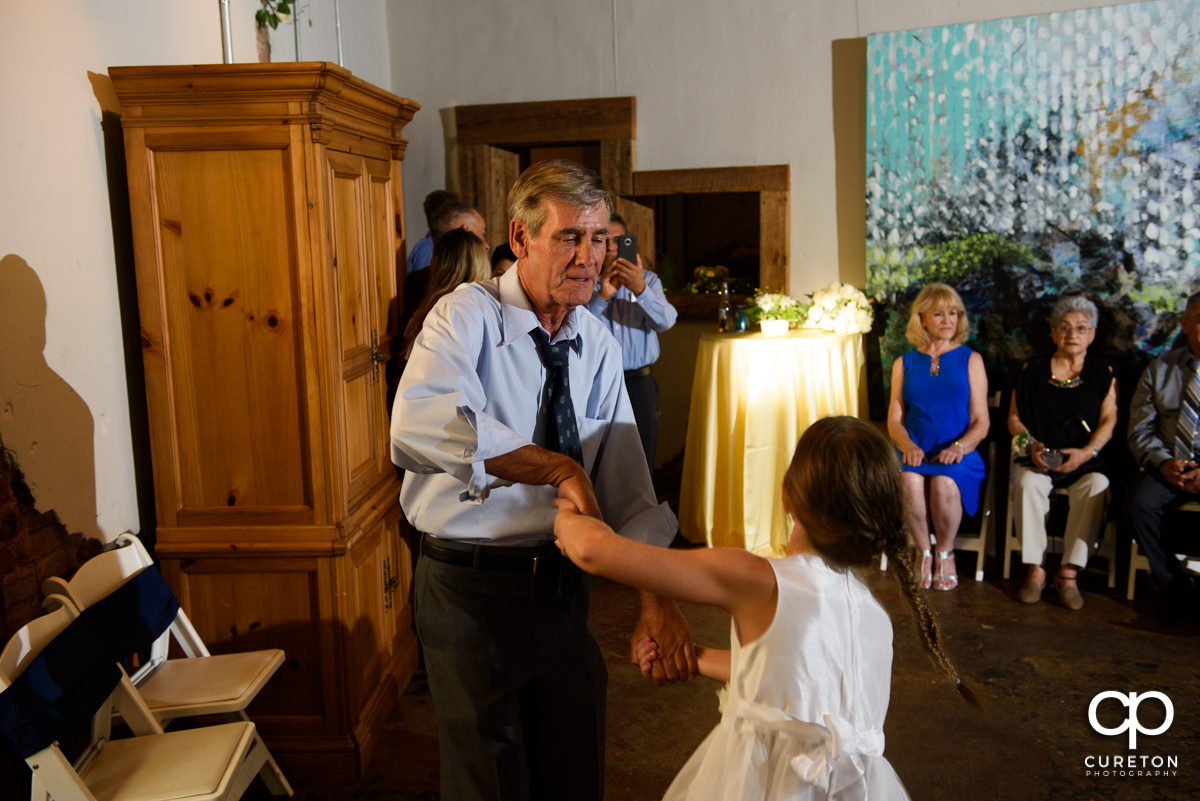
x=924, y=569
x=944, y=580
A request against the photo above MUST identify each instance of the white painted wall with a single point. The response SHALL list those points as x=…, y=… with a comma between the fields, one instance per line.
x=56, y=231
x=717, y=84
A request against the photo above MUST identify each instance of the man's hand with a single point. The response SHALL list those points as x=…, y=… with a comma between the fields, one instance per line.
x=631, y=275
x=610, y=281
x=531, y=464
x=1189, y=478
x=577, y=489
x=1174, y=472
x=662, y=622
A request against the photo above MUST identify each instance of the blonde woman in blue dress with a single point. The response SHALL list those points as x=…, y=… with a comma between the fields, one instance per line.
x=810, y=667
x=937, y=417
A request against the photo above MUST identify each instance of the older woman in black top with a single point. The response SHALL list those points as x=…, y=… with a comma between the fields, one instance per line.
x=1067, y=404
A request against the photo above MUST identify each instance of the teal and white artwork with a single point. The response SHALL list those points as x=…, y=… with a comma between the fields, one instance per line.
x=1027, y=158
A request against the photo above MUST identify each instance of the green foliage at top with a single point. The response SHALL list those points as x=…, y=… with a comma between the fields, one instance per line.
x=895, y=268
x=271, y=11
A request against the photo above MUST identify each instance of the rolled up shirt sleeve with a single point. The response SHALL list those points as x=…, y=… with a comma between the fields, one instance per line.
x=439, y=422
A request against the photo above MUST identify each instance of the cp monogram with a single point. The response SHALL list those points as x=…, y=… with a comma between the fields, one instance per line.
x=1132, y=724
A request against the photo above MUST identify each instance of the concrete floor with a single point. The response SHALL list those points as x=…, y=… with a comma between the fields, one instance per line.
x=1036, y=668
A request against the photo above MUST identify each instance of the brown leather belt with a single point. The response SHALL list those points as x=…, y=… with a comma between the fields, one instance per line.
x=513, y=559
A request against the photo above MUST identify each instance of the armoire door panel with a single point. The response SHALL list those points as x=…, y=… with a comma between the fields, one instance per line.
x=226, y=235
x=249, y=604
x=365, y=599
x=354, y=222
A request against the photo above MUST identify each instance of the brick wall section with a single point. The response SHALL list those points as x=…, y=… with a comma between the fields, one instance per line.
x=33, y=547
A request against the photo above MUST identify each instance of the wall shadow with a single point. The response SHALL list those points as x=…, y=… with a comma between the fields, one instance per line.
x=44, y=422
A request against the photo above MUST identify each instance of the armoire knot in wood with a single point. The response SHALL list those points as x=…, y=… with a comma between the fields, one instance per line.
x=268, y=227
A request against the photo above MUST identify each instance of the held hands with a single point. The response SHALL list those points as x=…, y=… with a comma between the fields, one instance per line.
x=570, y=527
x=675, y=655
x=575, y=487
x=645, y=652
x=1184, y=475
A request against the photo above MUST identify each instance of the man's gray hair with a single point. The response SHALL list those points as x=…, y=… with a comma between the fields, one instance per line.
x=558, y=180
x=1077, y=304
x=450, y=215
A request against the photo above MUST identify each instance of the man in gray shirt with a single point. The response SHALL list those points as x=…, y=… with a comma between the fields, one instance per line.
x=1163, y=438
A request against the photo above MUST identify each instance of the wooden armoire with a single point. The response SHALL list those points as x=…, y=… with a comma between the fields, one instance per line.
x=267, y=229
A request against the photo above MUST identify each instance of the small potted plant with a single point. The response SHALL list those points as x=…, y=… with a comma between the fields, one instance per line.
x=775, y=312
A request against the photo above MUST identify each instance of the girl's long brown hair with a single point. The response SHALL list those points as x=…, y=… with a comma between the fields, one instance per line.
x=844, y=487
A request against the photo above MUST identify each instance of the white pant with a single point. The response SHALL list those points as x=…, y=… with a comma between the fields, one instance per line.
x=1030, y=496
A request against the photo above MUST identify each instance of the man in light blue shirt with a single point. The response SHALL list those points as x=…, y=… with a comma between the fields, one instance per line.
x=422, y=250
x=515, y=674
x=631, y=302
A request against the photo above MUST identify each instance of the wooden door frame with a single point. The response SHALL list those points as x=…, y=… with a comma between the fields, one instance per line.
x=770, y=182
x=490, y=137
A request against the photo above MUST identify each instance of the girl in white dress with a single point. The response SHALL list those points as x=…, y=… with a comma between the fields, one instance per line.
x=810, y=667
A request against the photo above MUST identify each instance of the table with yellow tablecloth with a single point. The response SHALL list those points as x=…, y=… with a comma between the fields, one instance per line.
x=752, y=397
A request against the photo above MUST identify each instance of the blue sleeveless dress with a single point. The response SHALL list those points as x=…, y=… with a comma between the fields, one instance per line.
x=937, y=411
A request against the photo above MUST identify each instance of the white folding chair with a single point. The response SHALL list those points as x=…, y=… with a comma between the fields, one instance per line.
x=1105, y=546
x=209, y=763
x=976, y=541
x=200, y=683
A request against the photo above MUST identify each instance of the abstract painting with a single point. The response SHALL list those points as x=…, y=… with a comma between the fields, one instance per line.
x=1023, y=159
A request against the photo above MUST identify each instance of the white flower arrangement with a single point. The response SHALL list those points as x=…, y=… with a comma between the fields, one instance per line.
x=840, y=308
x=777, y=306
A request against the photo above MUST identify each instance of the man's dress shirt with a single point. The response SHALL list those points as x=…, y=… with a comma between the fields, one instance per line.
x=1154, y=411
x=635, y=320
x=421, y=254
x=472, y=391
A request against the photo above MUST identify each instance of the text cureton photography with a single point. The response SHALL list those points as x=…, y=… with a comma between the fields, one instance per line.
x=1130, y=765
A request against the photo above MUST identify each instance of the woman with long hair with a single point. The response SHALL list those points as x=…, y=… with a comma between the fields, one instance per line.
x=459, y=257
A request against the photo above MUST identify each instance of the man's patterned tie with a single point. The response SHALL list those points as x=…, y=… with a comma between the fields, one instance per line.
x=1189, y=411
x=562, y=433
